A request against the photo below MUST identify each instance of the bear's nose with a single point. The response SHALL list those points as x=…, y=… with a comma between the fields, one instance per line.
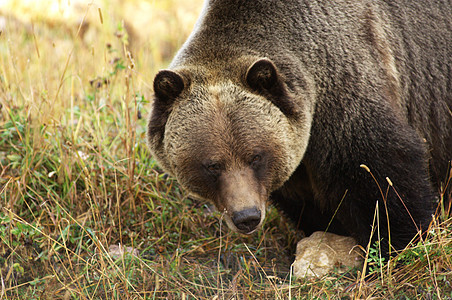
x=247, y=220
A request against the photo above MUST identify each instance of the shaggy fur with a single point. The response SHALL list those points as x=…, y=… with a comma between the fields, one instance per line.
x=286, y=99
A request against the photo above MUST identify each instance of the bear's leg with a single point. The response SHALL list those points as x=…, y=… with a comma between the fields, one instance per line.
x=390, y=149
x=296, y=201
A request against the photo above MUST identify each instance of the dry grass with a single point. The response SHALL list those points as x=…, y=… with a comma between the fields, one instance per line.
x=76, y=178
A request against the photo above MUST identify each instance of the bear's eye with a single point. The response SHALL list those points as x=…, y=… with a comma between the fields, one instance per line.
x=255, y=160
x=213, y=167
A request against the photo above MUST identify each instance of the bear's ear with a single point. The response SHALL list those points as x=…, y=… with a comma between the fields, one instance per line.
x=262, y=77
x=167, y=86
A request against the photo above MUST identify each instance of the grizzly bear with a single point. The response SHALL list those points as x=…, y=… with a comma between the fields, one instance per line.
x=333, y=110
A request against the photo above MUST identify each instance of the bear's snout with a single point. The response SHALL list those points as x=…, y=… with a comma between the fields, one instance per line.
x=247, y=220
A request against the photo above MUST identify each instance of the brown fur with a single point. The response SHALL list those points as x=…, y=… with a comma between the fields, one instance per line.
x=286, y=99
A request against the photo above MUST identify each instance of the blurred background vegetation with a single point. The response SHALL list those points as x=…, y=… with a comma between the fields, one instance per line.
x=85, y=213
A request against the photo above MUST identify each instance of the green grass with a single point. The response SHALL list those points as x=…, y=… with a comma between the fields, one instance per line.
x=76, y=179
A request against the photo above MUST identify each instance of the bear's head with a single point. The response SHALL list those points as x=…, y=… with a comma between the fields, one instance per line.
x=230, y=138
